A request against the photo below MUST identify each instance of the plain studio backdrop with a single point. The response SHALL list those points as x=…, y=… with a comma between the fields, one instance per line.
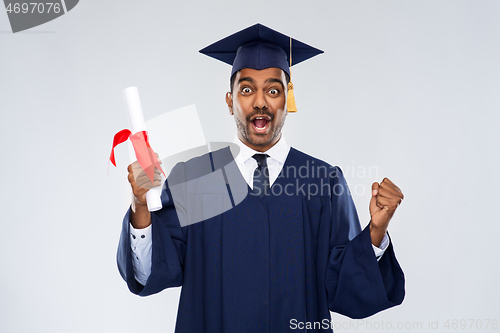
x=407, y=90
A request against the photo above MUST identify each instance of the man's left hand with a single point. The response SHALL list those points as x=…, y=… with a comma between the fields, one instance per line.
x=386, y=197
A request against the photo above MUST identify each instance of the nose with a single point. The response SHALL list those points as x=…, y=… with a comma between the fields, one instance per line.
x=260, y=100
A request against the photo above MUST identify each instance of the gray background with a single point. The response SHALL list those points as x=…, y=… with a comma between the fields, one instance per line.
x=408, y=87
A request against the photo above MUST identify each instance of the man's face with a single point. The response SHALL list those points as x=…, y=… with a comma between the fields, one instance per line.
x=258, y=103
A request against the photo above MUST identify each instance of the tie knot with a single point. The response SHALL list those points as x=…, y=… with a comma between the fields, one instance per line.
x=261, y=159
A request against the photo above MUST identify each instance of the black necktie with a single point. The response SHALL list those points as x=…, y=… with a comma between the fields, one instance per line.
x=261, y=175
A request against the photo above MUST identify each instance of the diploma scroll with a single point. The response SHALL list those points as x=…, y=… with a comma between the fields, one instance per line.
x=137, y=124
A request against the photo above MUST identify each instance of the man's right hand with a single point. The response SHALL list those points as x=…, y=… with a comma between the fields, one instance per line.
x=140, y=182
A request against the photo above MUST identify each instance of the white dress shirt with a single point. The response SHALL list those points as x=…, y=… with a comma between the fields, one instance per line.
x=247, y=164
x=140, y=239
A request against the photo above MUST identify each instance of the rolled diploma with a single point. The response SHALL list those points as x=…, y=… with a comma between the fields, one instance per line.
x=136, y=120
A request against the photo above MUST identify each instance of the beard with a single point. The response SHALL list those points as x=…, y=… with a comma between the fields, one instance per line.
x=262, y=139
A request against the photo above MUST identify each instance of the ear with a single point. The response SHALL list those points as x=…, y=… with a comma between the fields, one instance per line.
x=229, y=102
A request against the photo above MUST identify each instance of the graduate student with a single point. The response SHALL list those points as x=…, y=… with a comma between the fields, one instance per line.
x=267, y=240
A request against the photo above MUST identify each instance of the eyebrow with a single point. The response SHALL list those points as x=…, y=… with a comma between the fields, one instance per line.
x=277, y=81
x=249, y=79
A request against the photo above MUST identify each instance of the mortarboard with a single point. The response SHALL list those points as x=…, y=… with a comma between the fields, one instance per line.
x=259, y=47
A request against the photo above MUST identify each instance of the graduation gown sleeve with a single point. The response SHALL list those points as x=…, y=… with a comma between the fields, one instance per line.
x=168, y=250
x=357, y=285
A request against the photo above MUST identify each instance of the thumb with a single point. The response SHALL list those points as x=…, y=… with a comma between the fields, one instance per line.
x=373, y=201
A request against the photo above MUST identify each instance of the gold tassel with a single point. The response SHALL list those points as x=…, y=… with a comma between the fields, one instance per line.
x=290, y=100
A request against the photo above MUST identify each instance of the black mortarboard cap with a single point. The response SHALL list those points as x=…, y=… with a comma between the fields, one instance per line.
x=259, y=47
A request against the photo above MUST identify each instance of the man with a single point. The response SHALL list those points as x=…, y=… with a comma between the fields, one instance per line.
x=286, y=252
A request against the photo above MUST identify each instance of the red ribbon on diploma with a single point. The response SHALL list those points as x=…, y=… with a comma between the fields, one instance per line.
x=143, y=151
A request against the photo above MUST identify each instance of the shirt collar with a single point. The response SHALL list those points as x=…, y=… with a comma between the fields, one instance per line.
x=278, y=152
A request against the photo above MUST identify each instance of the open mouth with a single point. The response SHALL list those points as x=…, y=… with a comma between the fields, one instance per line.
x=260, y=124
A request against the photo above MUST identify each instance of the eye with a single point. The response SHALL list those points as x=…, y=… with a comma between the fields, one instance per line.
x=274, y=91
x=246, y=90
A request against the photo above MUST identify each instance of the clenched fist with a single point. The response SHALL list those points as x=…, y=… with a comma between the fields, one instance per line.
x=140, y=182
x=386, y=197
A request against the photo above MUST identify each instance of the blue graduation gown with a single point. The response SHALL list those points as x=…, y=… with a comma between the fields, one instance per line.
x=271, y=260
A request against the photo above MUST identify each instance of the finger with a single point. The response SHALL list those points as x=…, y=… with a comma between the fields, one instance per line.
x=144, y=181
x=143, y=177
x=393, y=201
x=389, y=193
x=378, y=204
x=139, y=169
x=138, y=191
x=131, y=179
x=373, y=203
x=375, y=195
x=386, y=182
x=137, y=166
x=390, y=203
x=148, y=185
x=392, y=189
x=134, y=167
